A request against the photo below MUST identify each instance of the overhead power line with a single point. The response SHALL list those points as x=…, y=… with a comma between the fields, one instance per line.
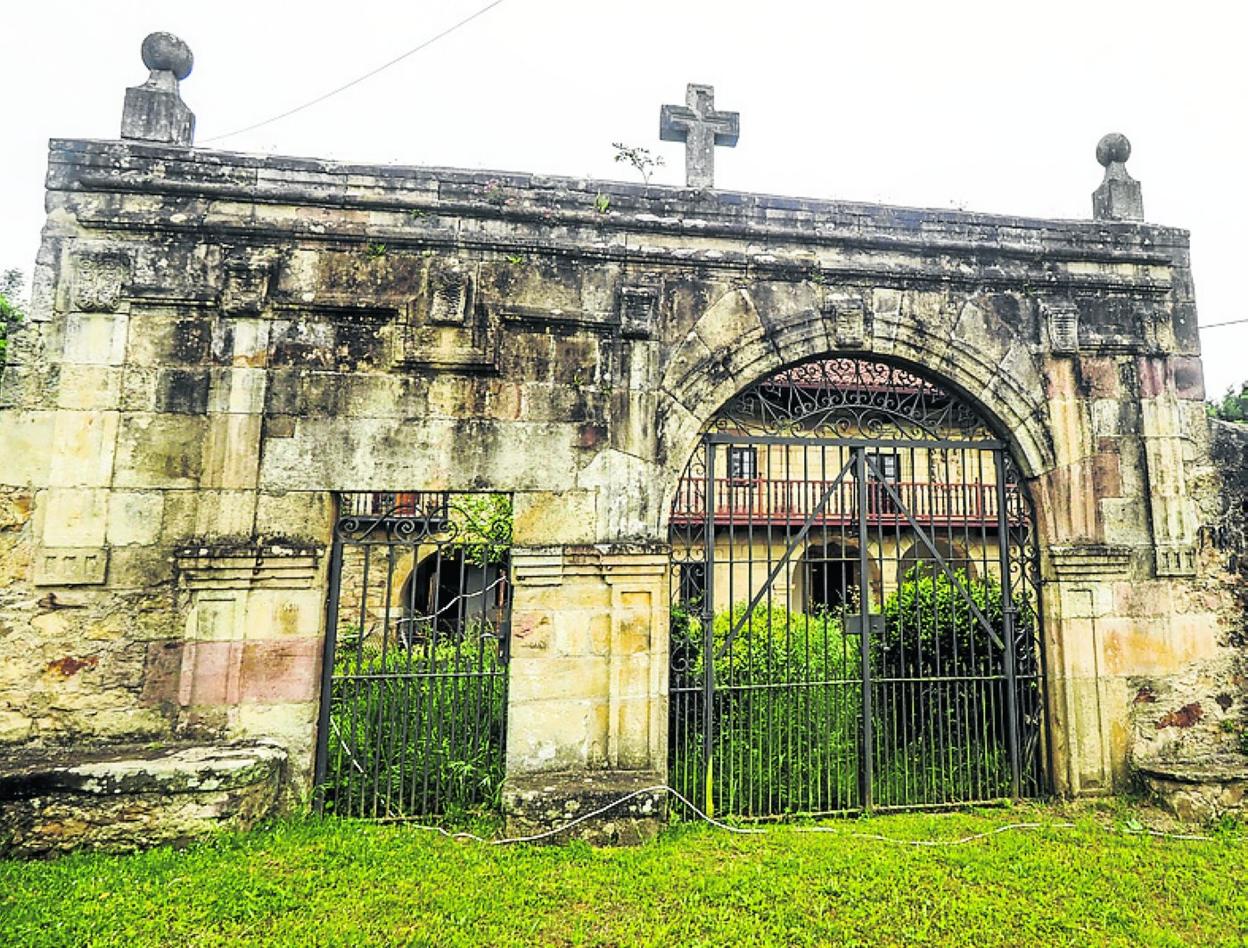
x=355, y=82
x=1229, y=322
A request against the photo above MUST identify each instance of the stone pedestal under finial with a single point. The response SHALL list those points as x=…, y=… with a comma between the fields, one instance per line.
x=1118, y=198
x=154, y=111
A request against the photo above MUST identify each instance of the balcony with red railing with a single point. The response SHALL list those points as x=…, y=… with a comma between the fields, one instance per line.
x=760, y=502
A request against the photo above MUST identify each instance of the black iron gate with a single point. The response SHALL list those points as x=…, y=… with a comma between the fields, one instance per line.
x=855, y=602
x=414, y=694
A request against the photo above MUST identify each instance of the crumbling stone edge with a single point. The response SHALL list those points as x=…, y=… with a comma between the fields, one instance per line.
x=129, y=797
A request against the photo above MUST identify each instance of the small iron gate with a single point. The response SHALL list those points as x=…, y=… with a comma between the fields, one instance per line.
x=414, y=694
x=855, y=602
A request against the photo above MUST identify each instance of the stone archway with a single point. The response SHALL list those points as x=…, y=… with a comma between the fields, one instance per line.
x=876, y=688
x=748, y=334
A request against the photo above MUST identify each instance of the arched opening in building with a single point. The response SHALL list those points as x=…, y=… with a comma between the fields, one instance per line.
x=449, y=593
x=920, y=561
x=831, y=578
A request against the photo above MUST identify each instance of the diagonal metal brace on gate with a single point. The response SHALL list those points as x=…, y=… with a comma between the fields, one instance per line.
x=940, y=560
x=788, y=554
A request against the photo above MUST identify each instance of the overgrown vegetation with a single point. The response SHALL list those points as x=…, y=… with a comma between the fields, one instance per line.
x=945, y=638
x=787, y=708
x=12, y=306
x=416, y=729
x=785, y=713
x=331, y=882
x=1233, y=406
x=418, y=705
x=482, y=526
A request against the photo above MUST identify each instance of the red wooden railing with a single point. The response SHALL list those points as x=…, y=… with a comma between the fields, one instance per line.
x=762, y=501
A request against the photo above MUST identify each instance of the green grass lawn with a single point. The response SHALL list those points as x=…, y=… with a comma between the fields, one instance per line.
x=340, y=883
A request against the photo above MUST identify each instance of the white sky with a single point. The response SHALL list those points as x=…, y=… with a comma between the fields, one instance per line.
x=993, y=107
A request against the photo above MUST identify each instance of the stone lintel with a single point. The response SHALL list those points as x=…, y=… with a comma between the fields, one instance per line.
x=537, y=803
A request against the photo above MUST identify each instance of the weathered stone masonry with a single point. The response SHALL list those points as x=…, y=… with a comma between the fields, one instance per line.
x=219, y=342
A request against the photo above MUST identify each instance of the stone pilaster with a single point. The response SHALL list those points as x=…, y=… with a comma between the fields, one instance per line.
x=1079, y=600
x=251, y=658
x=1165, y=446
x=588, y=679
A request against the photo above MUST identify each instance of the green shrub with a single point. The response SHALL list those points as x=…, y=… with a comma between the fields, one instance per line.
x=787, y=705
x=942, y=699
x=932, y=630
x=785, y=713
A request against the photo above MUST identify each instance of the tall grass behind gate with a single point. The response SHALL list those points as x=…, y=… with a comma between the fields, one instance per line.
x=417, y=729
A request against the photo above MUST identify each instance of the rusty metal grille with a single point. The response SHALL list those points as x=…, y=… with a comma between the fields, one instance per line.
x=855, y=602
x=414, y=693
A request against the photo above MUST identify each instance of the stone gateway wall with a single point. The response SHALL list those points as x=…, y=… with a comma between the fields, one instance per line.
x=219, y=342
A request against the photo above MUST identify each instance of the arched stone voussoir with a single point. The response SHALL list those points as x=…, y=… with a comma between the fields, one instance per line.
x=1009, y=391
x=701, y=377
x=730, y=320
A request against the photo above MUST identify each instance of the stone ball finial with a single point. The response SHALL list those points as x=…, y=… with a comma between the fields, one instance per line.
x=1114, y=147
x=167, y=53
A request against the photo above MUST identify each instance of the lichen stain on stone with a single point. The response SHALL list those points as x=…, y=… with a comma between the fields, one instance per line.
x=70, y=666
x=1184, y=717
x=1145, y=695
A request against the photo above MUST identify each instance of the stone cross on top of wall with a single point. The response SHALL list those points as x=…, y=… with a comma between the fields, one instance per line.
x=154, y=111
x=701, y=128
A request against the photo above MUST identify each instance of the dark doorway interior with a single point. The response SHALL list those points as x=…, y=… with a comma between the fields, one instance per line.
x=832, y=579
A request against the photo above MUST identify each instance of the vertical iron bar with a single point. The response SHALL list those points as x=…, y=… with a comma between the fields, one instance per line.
x=1008, y=616
x=864, y=644
x=327, y=671
x=708, y=622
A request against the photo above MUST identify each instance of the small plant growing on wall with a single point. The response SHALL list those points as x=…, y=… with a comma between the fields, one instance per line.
x=494, y=193
x=639, y=158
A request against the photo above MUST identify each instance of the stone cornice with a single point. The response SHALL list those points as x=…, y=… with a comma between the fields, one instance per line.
x=184, y=174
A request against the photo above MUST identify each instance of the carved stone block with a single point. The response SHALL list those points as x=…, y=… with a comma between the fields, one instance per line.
x=1062, y=323
x=443, y=328
x=245, y=288
x=446, y=298
x=71, y=566
x=1176, y=559
x=638, y=310
x=847, y=320
x=99, y=279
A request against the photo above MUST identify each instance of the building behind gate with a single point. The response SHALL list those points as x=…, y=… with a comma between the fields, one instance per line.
x=243, y=370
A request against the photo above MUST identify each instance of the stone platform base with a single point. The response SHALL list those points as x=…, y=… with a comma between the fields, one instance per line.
x=535, y=803
x=1198, y=790
x=118, y=799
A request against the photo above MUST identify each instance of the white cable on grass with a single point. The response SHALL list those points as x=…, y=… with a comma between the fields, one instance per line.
x=745, y=831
